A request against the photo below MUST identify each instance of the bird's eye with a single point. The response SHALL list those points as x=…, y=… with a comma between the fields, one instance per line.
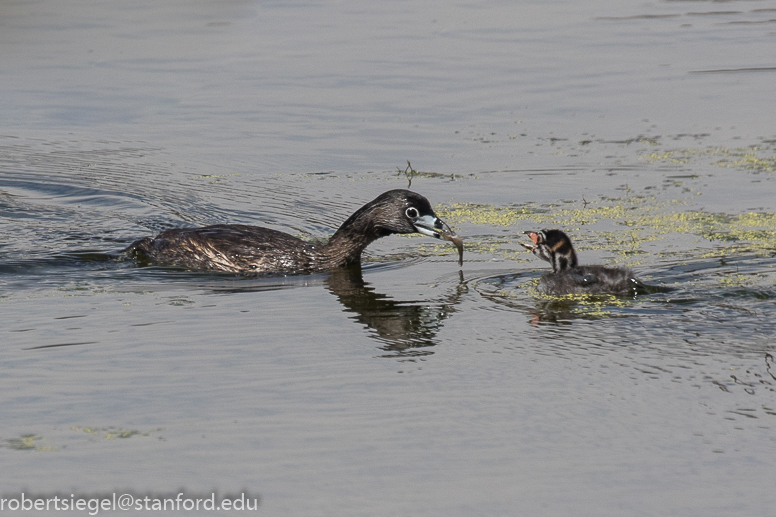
x=412, y=212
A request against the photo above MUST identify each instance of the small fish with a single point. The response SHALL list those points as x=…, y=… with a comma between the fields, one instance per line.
x=449, y=235
x=458, y=244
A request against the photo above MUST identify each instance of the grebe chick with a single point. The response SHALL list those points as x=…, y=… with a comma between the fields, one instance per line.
x=568, y=277
x=243, y=248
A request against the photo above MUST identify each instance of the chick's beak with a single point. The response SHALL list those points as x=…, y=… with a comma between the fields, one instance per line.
x=534, y=238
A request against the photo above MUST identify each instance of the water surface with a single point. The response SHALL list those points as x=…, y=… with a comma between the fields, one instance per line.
x=408, y=386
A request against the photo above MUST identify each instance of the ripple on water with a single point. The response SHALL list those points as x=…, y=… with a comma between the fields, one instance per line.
x=712, y=328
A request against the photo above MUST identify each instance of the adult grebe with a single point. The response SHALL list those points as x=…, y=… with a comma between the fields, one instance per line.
x=243, y=248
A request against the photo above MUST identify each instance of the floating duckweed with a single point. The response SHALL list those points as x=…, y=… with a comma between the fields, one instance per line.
x=668, y=156
x=750, y=162
x=757, y=219
x=120, y=434
x=26, y=442
x=484, y=214
x=438, y=250
x=214, y=177
x=743, y=235
x=508, y=216
x=583, y=305
x=90, y=430
x=645, y=218
x=739, y=158
x=736, y=279
x=598, y=300
x=112, y=433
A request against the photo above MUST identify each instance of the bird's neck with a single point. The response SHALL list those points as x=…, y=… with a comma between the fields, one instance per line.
x=347, y=243
x=564, y=262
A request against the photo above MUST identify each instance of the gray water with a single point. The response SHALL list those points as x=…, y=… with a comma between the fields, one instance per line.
x=409, y=386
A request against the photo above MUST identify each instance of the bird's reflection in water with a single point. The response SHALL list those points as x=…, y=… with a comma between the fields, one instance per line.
x=406, y=328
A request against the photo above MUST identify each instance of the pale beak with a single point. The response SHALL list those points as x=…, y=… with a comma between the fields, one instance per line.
x=435, y=227
x=431, y=226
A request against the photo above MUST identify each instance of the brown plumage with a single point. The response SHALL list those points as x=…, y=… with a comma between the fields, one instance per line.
x=243, y=248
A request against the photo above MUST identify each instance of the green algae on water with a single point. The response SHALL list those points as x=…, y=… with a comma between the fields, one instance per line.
x=619, y=225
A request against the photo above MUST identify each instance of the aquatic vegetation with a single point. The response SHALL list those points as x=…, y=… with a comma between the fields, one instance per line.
x=32, y=442
x=750, y=162
x=488, y=214
x=621, y=226
x=583, y=306
x=26, y=442
x=214, y=178
x=738, y=279
x=626, y=210
x=739, y=158
x=523, y=294
x=411, y=173
x=112, y=433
